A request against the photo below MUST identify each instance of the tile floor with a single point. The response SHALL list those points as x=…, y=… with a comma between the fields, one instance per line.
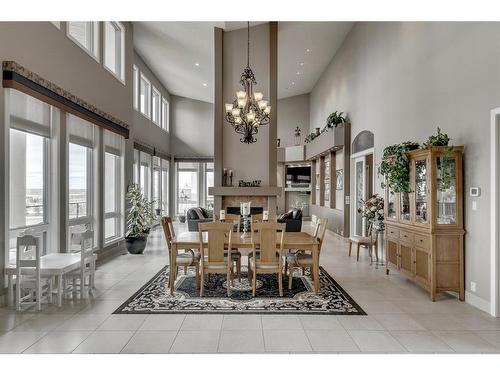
x=401, y=318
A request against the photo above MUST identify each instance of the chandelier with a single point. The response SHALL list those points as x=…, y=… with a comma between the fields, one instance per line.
x=249, y=110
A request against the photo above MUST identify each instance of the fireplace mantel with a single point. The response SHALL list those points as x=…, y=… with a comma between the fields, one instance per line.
x=262, y=191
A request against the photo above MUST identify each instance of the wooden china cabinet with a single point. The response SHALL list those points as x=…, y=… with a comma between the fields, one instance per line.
x=424, y=228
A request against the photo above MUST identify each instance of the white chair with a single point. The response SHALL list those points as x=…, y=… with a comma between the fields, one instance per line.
x=28, y=277
x=87, y=265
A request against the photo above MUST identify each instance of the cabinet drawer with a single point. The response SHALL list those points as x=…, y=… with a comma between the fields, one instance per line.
x=406, y=236
x=393, y=233
x=422, y=241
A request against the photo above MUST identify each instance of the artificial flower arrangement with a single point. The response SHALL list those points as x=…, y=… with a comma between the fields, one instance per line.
x=372, y=210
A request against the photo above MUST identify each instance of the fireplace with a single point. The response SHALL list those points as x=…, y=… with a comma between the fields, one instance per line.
x=236, y=210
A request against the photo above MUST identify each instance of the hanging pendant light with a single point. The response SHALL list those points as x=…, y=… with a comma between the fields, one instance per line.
x=249, y=110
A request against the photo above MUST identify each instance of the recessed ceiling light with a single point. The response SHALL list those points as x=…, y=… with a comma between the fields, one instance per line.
x=301, y=64
x=196, y=64
x=205, y=84
x=308, y=50
x=298, y=73
x=293, y=83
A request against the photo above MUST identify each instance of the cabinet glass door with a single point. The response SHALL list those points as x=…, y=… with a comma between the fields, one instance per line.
x=391, y=206
x=421, y=191
x=446, y=190
x=404, y=207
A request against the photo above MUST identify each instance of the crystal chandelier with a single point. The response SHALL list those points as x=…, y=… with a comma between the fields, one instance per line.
x=249, y=110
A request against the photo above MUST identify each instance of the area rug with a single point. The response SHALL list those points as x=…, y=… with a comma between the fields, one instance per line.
x=155, y=298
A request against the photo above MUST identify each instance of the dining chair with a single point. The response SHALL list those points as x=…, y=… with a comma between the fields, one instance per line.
x=28, y=273
x=78, y=277
x=302, y=259
x=258, y=218
x=235, y=254
x=188, y=258
x=369, y=241
x=214, y=257
x=267, y=260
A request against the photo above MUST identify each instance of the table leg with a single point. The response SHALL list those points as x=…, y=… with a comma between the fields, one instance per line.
x=10, y=294
x=59, y=290
x=316, y=267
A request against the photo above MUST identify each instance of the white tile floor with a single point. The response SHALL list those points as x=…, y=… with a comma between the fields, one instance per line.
x=401, y=318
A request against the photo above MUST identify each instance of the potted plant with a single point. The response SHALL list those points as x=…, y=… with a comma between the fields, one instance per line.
x=139, y=220
x=395, y=166
x=441, y=139
x=372, y=210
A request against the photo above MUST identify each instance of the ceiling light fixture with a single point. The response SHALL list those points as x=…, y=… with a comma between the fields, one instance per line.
x=205, y=84
x=308, y=50
x=249, y=110
x=196, y=64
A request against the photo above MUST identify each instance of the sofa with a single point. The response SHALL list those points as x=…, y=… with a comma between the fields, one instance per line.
x=197, y=215
x=292, y=219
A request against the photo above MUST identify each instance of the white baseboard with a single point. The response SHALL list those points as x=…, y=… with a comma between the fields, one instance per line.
x=478, y=302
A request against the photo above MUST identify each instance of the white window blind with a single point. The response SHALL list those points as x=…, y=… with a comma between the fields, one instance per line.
x=113, y=143
x=80, y=131
x=29, y=114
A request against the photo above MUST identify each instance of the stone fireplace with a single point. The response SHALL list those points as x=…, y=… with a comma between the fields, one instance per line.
x=234, y=201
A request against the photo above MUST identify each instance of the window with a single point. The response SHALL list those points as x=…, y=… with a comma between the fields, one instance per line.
x=113, y=187
x=136, y=167
x=164, y=115
x=29, y=171
x=86, y=35
x=145, y=174
x=114, y=48
x=187, y=186
x=78, y=177
x=136, y=87
x=145, y=96
x=209, y=182
x=156, y=106
x=164, y=185
x=156, y=183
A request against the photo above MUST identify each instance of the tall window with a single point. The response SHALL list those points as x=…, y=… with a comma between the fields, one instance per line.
x=209, y=182
x=29, y=160
x=145, y=96
x=114, y=48
x=187, y=186
x=156, y=106
x=145, y=174
x=136, y=87
x=136, y=167
x=164, y=185
x=113, y=186
x=86, y=35
x=157, y=182
x=164, y=115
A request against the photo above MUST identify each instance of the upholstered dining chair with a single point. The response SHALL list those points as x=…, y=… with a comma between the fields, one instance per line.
x=369, y=241
x=235, y=254
x=267, y=260
x=302, y=259
x=188, y=258
x=214, y=257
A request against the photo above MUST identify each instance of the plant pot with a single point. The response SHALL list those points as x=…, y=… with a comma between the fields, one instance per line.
x=182, y=218
x=136, y=245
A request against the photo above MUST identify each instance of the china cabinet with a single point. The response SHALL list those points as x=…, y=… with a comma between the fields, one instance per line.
x=424, y=227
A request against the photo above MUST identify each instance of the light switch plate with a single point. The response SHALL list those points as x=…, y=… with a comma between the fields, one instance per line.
x=474, y=205
x=475, y=192
x=472, y=286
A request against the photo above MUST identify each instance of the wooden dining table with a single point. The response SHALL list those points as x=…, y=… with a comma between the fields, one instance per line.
x=292, y=241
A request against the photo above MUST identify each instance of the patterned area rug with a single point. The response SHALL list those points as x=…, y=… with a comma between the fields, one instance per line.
x=155, y=298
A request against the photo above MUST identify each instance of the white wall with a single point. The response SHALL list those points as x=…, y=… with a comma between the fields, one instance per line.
x=401, y=81
x=192, y=124
x=293, y=112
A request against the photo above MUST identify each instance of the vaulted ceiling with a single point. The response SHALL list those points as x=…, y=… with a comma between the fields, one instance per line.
x=181, y=54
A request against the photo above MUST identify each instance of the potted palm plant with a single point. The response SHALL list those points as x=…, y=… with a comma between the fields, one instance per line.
x=139, y=220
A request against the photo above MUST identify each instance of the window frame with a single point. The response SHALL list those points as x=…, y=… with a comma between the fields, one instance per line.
x=154, y=91
x=95, y=36
x=88, y=218
x=165, y=115
x=198, y=181
x=121, y=55
x=148, y=114
x=117, y=214
x=135, y=80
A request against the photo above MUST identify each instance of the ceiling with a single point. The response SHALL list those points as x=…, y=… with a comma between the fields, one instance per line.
x=181, y=54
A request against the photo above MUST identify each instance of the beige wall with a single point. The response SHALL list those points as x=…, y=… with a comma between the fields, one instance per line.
x=293, y=112
x=401, y=81
x=47, y=51
x=248, y=161
x=192, y=127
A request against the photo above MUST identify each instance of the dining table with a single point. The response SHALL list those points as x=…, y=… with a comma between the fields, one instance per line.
x=243, y=242
x=54, y=264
